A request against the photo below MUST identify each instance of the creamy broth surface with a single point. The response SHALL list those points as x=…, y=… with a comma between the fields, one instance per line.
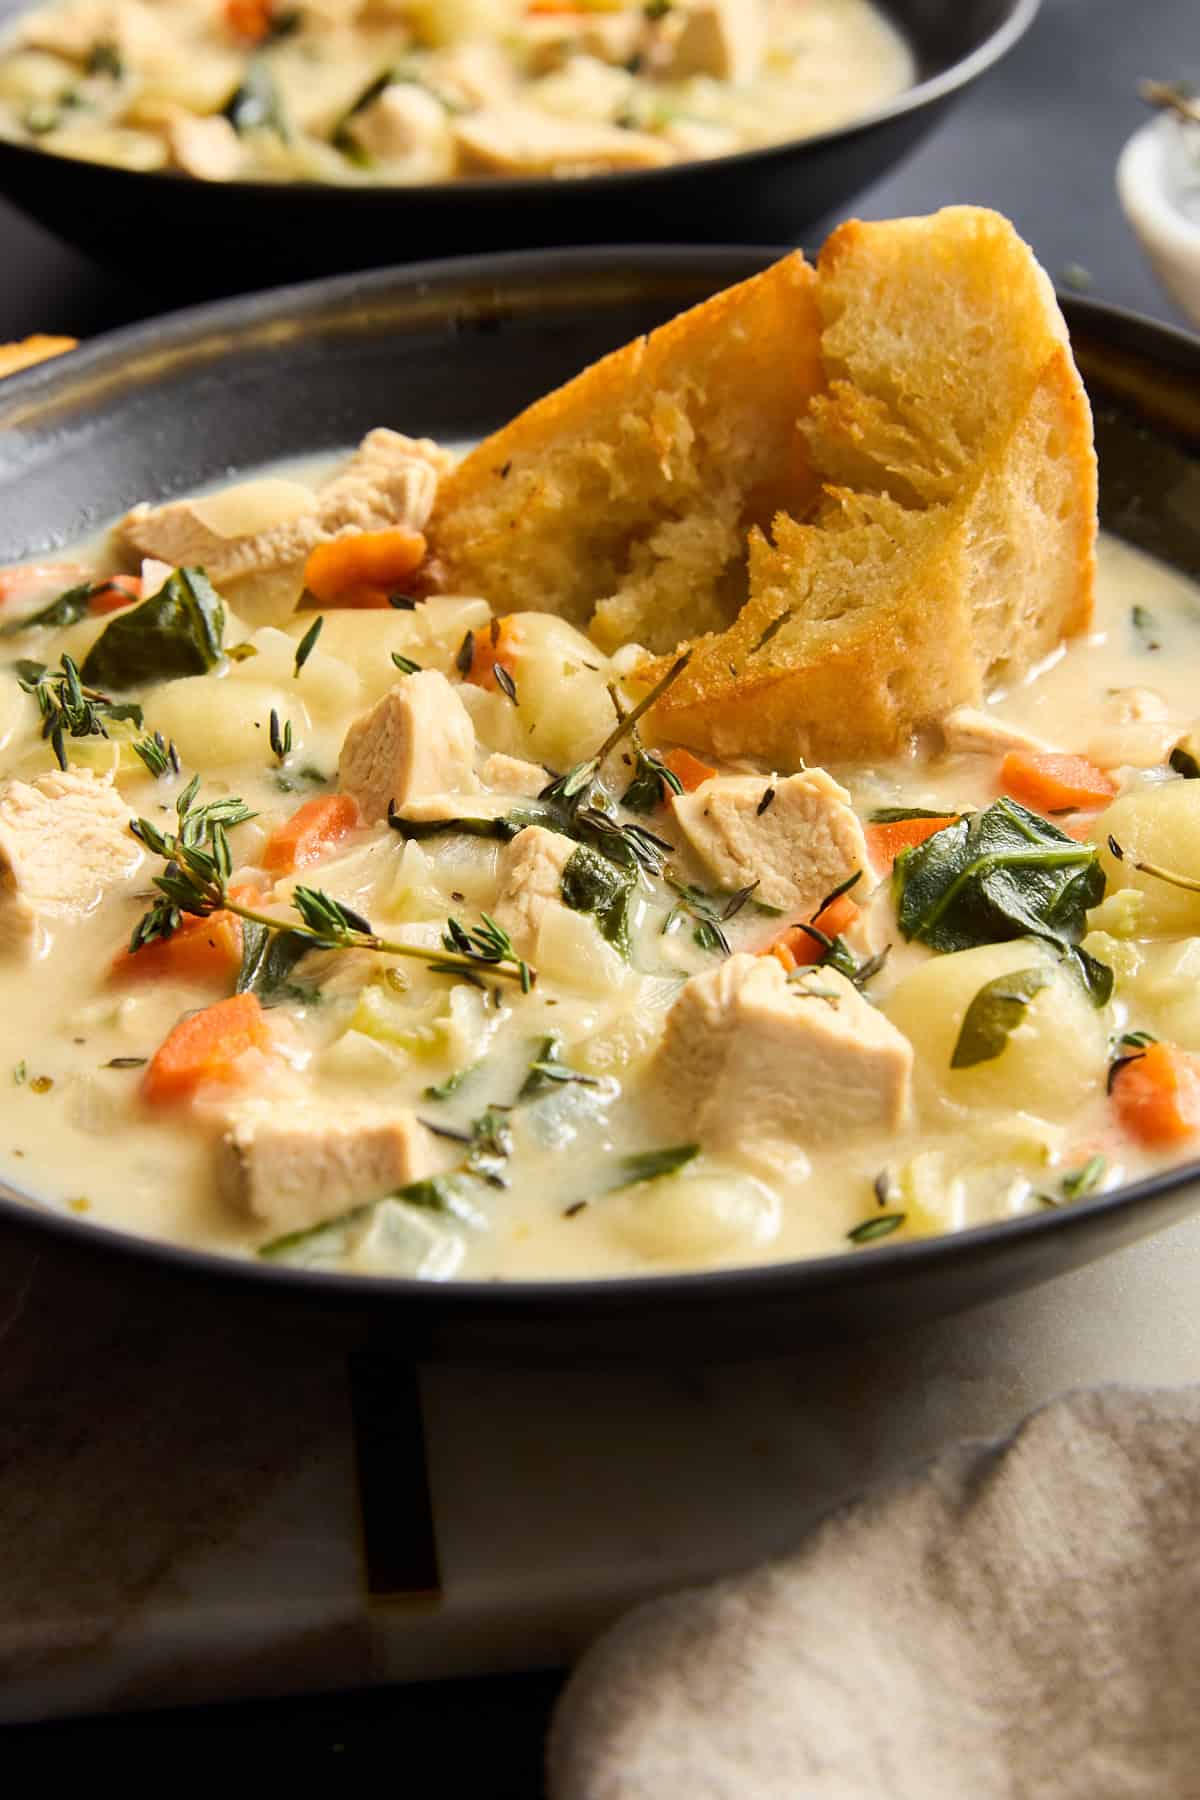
x=75, y=1039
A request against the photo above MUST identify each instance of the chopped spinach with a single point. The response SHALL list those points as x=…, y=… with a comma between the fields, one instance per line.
x=593, y=884
x=996, y=1011
x=1001, y=874
x=269, y=959
x=174, y=633
x=70, y=606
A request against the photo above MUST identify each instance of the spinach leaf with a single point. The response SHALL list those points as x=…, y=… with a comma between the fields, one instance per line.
x=175, y=632
x=268, y=960
x=255, y=104
x=592, y=884
x=68, y=609
x=1001, y=874
x=996, y=1010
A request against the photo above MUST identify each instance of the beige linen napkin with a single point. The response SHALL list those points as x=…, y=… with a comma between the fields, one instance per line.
x=1014, y=1620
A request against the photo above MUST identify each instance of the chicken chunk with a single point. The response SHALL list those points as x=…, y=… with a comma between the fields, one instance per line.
x=530, y=875
x=513, y=775
x=390, y=480
x=520, y=140
x=798, y=837
x=208, y=148
x=750, y=1056
x=406, y=121
x=64, y=839
x=291, y=1164
x=417, y=740
x=971, y=731
x=726, y=39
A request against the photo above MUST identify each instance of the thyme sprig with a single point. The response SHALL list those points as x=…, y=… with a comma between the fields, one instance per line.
x=160, y=756
x=580, y=780
x=69, y=709
x=195, y=882
x=710, y=911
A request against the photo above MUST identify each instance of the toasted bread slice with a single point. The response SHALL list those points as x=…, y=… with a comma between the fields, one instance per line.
x=622, y=501
x=939, y=534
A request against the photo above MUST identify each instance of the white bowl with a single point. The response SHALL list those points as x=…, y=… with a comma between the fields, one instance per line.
x=1158, y=183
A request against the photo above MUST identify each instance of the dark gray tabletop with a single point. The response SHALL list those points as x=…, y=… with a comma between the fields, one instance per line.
x=1038, y=139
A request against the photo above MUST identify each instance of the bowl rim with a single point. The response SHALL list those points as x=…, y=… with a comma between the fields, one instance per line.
x=513, y=1298
x=912, y=99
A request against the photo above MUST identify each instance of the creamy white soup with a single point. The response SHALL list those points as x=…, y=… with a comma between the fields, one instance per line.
x=381, y=936
x=408, y=91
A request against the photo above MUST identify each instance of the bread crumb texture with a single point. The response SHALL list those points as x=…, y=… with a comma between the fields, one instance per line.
x=864, y=494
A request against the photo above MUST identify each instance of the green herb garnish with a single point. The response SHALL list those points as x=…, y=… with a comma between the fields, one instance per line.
x=280, y=738
x=880, y=1225
x=255, y=104
x=69, y=709
x=405, y=664
x=307, y=644
x=593, y=884
x=1146, y=626
x=159, y=756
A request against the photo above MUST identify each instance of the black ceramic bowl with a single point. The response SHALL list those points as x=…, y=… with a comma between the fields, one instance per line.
x=195, y=238
x=453, y=350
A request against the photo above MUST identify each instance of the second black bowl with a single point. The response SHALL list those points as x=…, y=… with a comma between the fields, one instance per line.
x=196, y=239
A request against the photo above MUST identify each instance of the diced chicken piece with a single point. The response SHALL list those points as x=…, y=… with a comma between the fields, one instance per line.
x=726, y=39
x=512, y=775
x=530, y=875
x=970, y=731
x=64, y=840
x=584, y=88
x=390, y=480
x=474, y=74
x=417, y=740
x=293, y=1164
x=405, y=121
x=798, y=846
x=520, y=140
x=611, y=37
x=750, y=1056
x=208, y=148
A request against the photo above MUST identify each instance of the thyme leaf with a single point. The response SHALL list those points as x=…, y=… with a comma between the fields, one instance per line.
x=307, y=644
x=879, y=1225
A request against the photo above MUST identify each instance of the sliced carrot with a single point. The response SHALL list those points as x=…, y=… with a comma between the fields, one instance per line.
x=1157, y=1095
x=362, y=569
x=249, y=19
x=688, y=768
x=197, y=950
x=1052, y=783
x=501, y=646
x=885, y=842
x=29, y=578
x=796, y=949
x=313, y=830
x=118, y=591
x=206, y=1046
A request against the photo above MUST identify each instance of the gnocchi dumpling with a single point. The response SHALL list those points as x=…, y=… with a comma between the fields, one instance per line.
x=693, y=1218
x=1053, y=1058
x=214, y=723
x=1159, y=825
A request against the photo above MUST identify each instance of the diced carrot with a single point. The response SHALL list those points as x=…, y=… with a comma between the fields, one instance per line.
x=1157, y=1095
x=313, y=830
x=29, y=578
x=118, y=591
x=885, y=842
x=499, y=645
x=197, y=950
x=249, y=19
x=795, y=948
x=361, y=570
x=206, y=1046
x=688, y=768
x=1052, y=783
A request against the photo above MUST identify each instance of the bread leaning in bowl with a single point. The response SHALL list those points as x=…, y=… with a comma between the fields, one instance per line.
x=864, y=494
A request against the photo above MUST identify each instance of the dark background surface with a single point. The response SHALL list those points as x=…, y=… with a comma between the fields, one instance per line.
x=1038, y=139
